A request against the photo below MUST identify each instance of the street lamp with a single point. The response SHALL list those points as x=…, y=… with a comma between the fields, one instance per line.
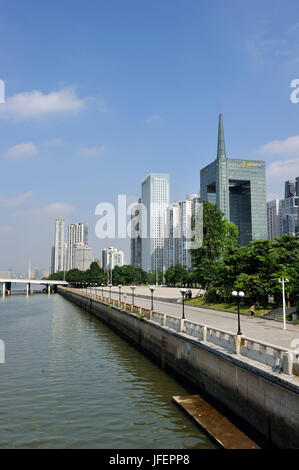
x=282, y=282
x=110, y=285
x=119, y=287
x=133, y=289
x=239, y=296
x=152, y=289
x=183, y=292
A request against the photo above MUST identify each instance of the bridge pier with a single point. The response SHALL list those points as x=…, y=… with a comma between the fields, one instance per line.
x=28, y=291
x=49, y=289
x=3, y=289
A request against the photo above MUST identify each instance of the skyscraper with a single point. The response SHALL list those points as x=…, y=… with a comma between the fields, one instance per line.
x=274, y=219
x=155, y=199
x=283, y=214
x=136, y=234
x=238, y=187
x=172, y=240
x=77, y=233
x=289, y=189
x=58, y=253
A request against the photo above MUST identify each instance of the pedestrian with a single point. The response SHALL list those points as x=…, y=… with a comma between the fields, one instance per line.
x=252, y=310
x=190, y=294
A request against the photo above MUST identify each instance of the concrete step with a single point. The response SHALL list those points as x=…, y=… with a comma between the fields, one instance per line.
x=225, y=433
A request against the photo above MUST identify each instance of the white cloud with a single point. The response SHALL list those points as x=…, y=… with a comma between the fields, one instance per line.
x=14, y=201
x=6, y=228
x=52, y=210
x=89, y=152
x=36, y=104
x=289, y=146
x=283, y=170
x=154, y=118
x=20, y=151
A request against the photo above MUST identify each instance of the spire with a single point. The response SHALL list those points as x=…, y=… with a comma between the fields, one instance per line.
x=221, y=145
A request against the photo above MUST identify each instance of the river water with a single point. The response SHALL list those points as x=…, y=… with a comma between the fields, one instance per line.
x=71, y=382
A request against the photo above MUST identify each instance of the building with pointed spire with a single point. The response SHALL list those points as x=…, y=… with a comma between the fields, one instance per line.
x=238, y=187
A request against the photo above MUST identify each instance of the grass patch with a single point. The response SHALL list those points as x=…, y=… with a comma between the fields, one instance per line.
x=199, y=301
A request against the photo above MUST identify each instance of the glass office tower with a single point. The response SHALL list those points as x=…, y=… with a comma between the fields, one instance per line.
x=238, y=187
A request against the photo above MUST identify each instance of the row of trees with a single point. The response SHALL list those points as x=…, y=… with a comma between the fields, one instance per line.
x=221, y=265
x=125, y=275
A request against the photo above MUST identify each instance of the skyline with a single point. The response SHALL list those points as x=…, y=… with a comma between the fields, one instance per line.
x=88, y=113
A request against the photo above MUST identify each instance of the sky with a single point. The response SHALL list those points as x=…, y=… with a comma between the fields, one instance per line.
x=100, y=93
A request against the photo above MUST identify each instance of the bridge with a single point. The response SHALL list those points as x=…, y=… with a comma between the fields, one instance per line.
x=6, y=284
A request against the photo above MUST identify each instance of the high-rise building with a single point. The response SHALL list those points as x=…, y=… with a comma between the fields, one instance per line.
x=136, y=234
x=274, y=219
x=185, y=219
x=112, y=257
x=58, y=254
x=238, y=187
x=77, y=233
x=289, y=189
x=155, y=199
x=82, y=256
x=290, y=215
x=283, y=214
x=172, y=239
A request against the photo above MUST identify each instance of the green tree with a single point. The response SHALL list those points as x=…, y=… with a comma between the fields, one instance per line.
x=219, y=237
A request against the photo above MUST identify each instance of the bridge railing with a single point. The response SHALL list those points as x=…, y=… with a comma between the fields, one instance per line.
x=276, y=357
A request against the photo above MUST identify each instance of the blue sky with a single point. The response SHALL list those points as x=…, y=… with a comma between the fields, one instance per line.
x=100, y=93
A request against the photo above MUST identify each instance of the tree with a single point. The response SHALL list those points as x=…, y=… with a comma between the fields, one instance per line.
x=219, y=236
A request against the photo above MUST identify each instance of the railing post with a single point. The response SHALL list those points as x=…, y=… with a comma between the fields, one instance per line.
x=182, y=324
x=287, y=362
x=204, y=333
x=237, y=345
x=164, y=319
x=151, y=315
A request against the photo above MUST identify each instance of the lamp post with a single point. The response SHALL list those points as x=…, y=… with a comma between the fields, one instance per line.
x=110, y=285
x=183, y=293
x=239, y=296
x=152, y=289
x=133, y=289
x=282, y=282
x=119, y=287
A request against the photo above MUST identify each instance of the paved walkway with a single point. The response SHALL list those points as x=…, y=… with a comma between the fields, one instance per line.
x=268, y=331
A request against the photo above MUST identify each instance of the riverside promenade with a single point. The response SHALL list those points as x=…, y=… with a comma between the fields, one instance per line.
x=166, y=301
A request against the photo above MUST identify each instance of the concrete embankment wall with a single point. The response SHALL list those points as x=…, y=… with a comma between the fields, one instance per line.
x=266, y=400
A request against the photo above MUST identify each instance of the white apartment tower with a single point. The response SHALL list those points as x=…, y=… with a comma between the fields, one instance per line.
x=58, y=252
x=77, y=233
x=155, y=199
x=112, y=257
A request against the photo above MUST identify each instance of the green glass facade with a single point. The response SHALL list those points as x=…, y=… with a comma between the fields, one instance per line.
x=238, y=187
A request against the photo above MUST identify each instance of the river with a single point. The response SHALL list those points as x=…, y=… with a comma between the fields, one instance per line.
x=71, y=382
